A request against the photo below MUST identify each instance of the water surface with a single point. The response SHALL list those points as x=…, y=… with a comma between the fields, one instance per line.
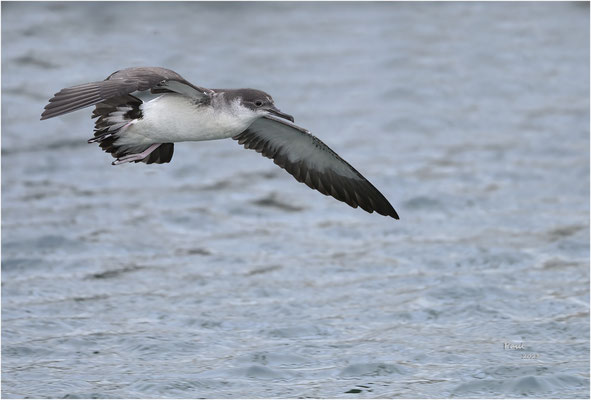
x=218, y=275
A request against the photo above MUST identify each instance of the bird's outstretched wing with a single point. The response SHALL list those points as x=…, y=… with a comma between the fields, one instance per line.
x=312, y=162
x=121, y=83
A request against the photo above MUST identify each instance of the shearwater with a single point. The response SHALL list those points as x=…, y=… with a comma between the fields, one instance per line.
x=133, y=130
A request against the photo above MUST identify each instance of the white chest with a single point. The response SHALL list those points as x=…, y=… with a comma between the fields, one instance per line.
x=176, y=118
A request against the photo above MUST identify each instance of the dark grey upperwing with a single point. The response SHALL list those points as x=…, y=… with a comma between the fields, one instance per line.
x=312, y=162
x=121, y=83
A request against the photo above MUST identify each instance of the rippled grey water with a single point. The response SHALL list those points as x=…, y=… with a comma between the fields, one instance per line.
x=219, y=275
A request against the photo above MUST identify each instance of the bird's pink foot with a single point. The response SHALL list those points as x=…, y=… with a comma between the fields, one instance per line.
x=138, y=156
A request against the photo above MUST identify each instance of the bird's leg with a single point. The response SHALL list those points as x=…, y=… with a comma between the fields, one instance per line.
x=138, y=156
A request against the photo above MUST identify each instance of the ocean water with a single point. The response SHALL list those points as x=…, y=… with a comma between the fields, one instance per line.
x=218, y=275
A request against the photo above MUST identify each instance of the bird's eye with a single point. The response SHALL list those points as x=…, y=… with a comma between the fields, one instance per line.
x=258, y=103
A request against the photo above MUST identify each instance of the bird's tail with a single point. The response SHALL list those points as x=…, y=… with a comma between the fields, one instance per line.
x=114, y=116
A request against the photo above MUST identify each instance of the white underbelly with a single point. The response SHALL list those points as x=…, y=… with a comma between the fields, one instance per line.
x=176, y=118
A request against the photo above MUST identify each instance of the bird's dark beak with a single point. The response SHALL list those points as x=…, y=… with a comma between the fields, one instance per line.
x=275, y=111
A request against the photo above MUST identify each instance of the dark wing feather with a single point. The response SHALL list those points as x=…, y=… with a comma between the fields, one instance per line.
x=312, y=162
x=163, y=154
x=121, y=83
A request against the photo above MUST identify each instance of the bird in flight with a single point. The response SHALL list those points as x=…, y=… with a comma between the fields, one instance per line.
x=132, y=130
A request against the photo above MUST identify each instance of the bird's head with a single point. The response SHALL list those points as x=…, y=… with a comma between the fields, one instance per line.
x=260, y=102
